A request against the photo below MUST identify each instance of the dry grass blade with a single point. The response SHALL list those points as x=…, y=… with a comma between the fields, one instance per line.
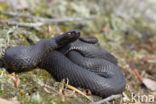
x=46, y=87
x=78, y=91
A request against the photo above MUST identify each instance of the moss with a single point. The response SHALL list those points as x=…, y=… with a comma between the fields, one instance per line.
x=3, y=6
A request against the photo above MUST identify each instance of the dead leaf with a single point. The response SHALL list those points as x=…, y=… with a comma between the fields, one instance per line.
x=150, y=84
x=4, y=101
x=16, y=79
x=153, y=93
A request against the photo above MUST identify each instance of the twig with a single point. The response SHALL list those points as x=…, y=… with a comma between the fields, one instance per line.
x=106, y=100
x=31, y=25
x=68, y=19
x=15, y=14
x=28, y=25
x=43, y=21
x=48, y=20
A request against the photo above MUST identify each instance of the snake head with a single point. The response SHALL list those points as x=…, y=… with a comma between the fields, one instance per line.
x=67, y=37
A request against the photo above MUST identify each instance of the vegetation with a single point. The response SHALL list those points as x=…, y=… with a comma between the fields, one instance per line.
x=131, y=40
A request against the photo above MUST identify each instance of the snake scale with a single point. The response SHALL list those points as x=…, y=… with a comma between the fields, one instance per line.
x=68, y=56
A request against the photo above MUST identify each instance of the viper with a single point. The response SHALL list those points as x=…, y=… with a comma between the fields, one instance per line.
x=68, y=56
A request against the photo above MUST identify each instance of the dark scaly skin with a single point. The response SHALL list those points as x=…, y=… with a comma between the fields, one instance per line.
x=89, y=47
x=27, y=57
x=83, y=62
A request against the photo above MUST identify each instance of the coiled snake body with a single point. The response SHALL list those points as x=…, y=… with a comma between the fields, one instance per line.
x=82, y=61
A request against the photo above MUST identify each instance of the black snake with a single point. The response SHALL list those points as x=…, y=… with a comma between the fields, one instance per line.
x=79, y=60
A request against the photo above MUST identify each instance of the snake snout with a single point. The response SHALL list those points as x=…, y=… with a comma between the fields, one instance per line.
x=67, y=37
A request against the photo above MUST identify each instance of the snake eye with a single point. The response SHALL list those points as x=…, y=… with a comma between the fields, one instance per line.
x=91, y=40
x=74, y=34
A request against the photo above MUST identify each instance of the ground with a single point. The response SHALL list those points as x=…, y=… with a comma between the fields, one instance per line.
x=132, y=42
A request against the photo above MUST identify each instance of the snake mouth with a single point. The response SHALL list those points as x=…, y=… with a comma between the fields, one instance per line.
x=67, y=37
